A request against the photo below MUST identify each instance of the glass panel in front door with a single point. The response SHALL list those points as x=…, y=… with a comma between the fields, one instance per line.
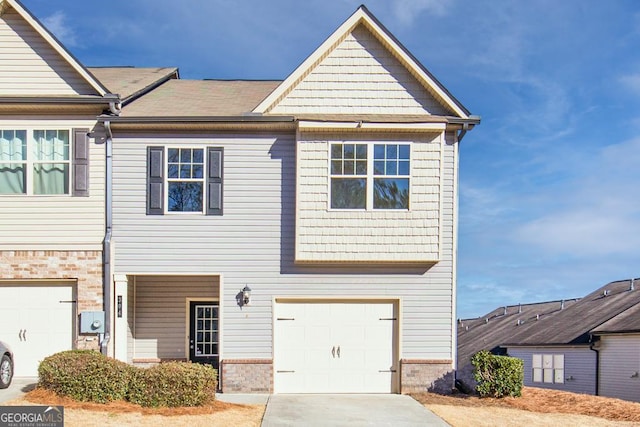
x=203, y=342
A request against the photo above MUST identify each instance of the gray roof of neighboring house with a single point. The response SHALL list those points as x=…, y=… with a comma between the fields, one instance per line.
x=200, y=98
x=129, y=82
x=490, y=331
x=574, y=325
x=627, y=321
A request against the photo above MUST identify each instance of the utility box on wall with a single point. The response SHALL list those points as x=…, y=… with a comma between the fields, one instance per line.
x=92, y=322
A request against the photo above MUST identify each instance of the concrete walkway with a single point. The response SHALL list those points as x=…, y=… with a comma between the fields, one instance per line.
x=394, y=410
x=18, y=387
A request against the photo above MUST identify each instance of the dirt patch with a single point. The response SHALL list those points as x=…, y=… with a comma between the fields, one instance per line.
x=545, y=401
x=119, y=413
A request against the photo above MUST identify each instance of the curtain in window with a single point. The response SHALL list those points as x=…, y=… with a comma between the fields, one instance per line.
x=51, y=166
x=12, y=162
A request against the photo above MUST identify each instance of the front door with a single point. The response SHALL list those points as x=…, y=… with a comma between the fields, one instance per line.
x=203, y=332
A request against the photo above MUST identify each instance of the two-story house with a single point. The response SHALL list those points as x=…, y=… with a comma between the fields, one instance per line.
x=52, y=191
x=300, y=235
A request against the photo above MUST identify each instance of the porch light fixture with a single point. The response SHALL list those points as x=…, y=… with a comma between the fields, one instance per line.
x=246, y=295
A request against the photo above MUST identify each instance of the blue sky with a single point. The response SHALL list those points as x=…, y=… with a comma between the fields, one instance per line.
x=549, y=182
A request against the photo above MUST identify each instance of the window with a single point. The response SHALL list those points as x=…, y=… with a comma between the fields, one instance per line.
x=39, y=162
x=548, y=368
x=190, y=181
x=185, y=179
x=370, y=176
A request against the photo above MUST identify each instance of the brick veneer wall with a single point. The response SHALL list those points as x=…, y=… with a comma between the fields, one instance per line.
x=426, y=375
x=82, y=267
x=247, y=376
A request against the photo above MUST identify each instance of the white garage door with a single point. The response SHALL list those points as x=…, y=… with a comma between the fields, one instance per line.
x=36, y=321
x=334, y=347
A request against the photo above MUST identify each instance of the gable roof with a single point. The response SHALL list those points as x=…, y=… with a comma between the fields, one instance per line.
x=500, y=325
x=131, y=82
x=200, y=98
x=363, y=17
x=574, y=325
x=53, y=42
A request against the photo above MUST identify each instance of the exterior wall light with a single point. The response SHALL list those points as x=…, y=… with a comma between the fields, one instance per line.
x=246, y=295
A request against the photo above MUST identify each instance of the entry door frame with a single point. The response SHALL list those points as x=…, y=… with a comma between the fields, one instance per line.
x=189, y=302
x=397, y=307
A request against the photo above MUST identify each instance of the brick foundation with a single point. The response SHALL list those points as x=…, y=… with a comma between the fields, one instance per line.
x=426, y=375
x=246, y=376
x=82, y=267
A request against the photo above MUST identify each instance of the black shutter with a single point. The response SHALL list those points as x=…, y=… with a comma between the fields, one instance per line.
x=155, y=180
x=214, y=180
x=80, y=163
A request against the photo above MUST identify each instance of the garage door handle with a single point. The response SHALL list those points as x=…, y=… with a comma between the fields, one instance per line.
x=388, y=370
x=333, y=351
x=338, y=352
x=285, y=372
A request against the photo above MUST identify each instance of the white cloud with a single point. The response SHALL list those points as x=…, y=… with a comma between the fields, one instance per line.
x=408, y=10
x=631, y=81
x=57, y=24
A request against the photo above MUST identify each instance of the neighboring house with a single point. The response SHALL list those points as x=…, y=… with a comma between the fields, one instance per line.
x=332, y=195
x=489, y=332
x=574, y=349
x=52, y=192
x=619, y=354
x=300, y=235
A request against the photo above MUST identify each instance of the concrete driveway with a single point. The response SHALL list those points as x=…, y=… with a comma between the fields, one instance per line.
x=18, y=387
x=347, y=410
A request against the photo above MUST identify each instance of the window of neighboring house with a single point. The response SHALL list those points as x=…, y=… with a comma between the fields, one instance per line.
x=184, y=180
x=370, y=176
x=39, y=162
x=548, y=368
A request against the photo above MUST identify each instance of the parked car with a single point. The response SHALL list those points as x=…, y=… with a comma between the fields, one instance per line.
x=6, y=365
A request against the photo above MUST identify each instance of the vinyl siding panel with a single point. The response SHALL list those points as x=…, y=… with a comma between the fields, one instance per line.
x=30, y=66
x=60, y=221
x=335, y=235
x=620, y=366
x=253, y=244
x=161, y=313
x=359, y=76
x=579, y=364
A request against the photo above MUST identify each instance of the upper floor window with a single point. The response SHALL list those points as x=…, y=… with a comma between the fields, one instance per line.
x=185, y=179
x=40, y=162
x=188, y=181
x=370, y=176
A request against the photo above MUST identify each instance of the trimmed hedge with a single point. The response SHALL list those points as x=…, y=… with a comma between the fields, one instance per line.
x=497, y=376
x=85, y=375
x=89, y=376
x=173, y=384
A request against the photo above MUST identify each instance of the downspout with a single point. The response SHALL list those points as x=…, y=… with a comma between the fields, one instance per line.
x=592, y=347
x=107, y=267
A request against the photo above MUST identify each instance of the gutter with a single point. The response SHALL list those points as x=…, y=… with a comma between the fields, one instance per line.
x=199, y=119
x=58, y=99
x=592, y=347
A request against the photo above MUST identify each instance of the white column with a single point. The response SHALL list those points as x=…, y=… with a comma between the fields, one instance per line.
x=121, y=324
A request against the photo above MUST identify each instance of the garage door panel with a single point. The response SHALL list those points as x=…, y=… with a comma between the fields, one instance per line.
x=347, y=348
x=36, y=321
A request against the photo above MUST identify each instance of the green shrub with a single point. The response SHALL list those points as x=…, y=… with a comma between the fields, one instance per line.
x=85, y=375
x=173, y=384
x=497, y=376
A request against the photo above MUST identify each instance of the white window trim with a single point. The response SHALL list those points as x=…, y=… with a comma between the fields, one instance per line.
x=369, y=176
x=29, y=162
x=167, y=180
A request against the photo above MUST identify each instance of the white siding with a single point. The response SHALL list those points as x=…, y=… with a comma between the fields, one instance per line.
x=579, y=367
x=161, y=313
x=30, y=66
x=359, y=76
x=253, y=243
x=620, y=366
x=375, y=235
x=60, y=221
